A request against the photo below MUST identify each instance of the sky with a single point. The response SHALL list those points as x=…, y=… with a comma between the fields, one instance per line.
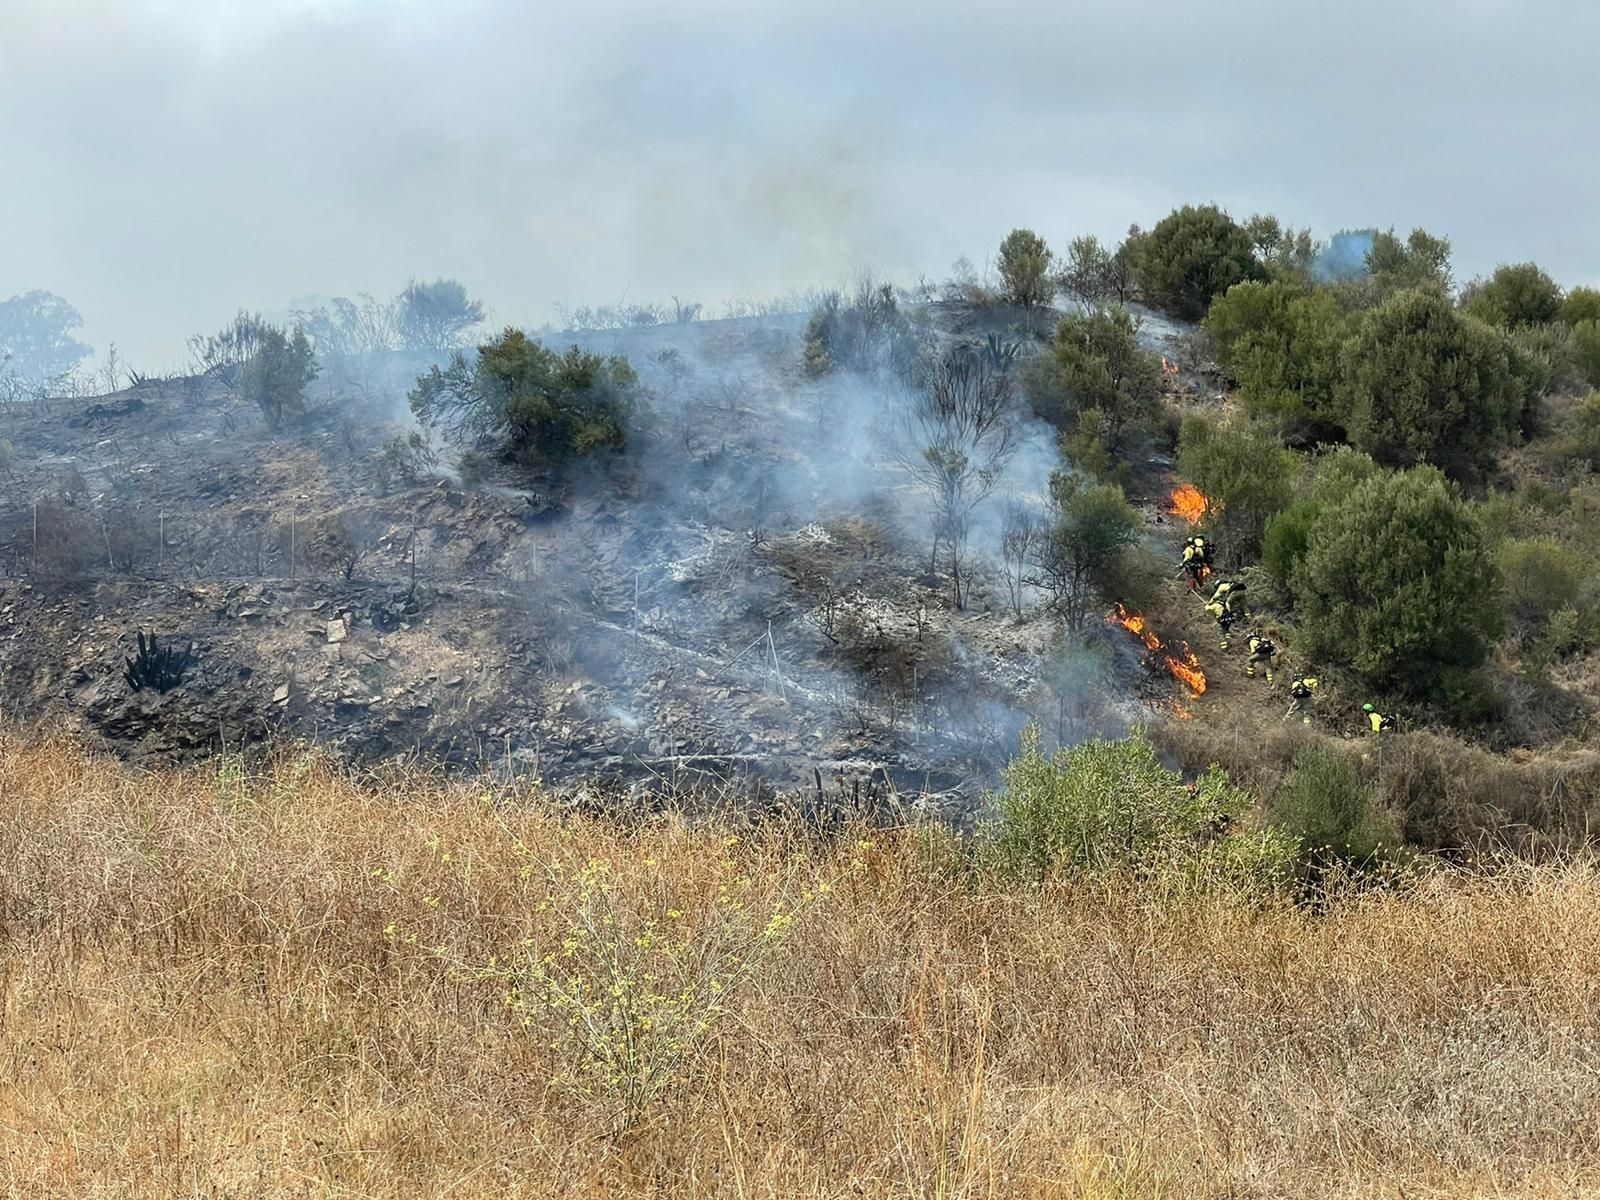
x=164, y=163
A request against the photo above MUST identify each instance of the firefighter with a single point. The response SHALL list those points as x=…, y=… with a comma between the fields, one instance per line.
x=1196, y=560
x=1300, y=689
x=1261, y=651
x=1225, y=618
x=1376, y=722
x=1229, y=593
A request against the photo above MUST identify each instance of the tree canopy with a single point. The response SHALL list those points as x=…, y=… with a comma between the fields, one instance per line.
x=1516, y=295
x=36, y=337
x=1281, y=342
x=1025, y=269
x=1425, y=384
x=1398, y=584
x=1190, y=257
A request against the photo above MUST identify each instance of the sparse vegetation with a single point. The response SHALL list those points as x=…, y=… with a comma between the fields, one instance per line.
x=351, y=942
x=868, y=333
x=436, y=317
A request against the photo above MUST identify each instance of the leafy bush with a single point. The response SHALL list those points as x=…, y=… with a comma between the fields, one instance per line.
x=1581, y=304
x=1097, y=366
x=867, y=334
x=1338, y=469
x=1082, y=549
x=276, y=374
x=1542, y=578
x=1586, y=348
x=1287, y=537
x=1192, y=256
x=1398, y=584
x=1245, y=474
x=1025, y=269
x=1281, y=343
x=1425, y=384
x=1110, y=806
x=1421, y=261
x=1519, y=294
x=1326, y=807
x=530, y=402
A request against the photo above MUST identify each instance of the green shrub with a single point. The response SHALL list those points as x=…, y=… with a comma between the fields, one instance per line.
x=1192, y=256
x=530, y=402
x=1288, y=535
x=1398, y=584
x=1424, y=384
x=275, y=376
x=1025, y=269
x=1281, y=342
x=1577, y=440
x=1244, y=472
x=1541, y=577
x=1422, y=260
x=1097, y=364
x=1083, y=549
x=1586, y=349
x=1110, y=806
x=1518, y=294
x=1581, y=304
x=1323, y=803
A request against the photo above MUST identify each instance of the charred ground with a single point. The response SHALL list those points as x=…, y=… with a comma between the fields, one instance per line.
x=744, y=595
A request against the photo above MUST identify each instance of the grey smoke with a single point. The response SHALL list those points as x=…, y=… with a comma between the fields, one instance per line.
x=168, y=162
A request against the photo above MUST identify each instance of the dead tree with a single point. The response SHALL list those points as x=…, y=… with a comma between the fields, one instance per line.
x=1019, y=534
x=955, y=441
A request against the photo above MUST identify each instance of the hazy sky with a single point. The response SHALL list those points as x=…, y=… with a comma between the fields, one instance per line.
x=164, y=162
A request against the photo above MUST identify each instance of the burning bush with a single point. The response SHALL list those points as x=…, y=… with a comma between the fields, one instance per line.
x=1180, y=661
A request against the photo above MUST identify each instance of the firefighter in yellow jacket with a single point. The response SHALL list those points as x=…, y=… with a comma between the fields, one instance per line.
x=1300, y=689
x=1261, y=651
x=1376, y=722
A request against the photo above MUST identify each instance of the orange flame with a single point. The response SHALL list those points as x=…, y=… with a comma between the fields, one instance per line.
x=1179, y=660
x=1188, y=502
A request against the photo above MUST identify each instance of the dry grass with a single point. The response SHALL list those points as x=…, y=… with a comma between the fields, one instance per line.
x=210, y=989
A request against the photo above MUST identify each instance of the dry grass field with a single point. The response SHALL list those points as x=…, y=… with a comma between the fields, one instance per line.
x=297, y=983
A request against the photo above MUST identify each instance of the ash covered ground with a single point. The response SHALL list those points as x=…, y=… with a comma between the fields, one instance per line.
x=744, y=598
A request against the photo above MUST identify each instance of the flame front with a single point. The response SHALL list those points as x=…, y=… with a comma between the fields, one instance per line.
x=1180, y=661
x=1188, y=502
